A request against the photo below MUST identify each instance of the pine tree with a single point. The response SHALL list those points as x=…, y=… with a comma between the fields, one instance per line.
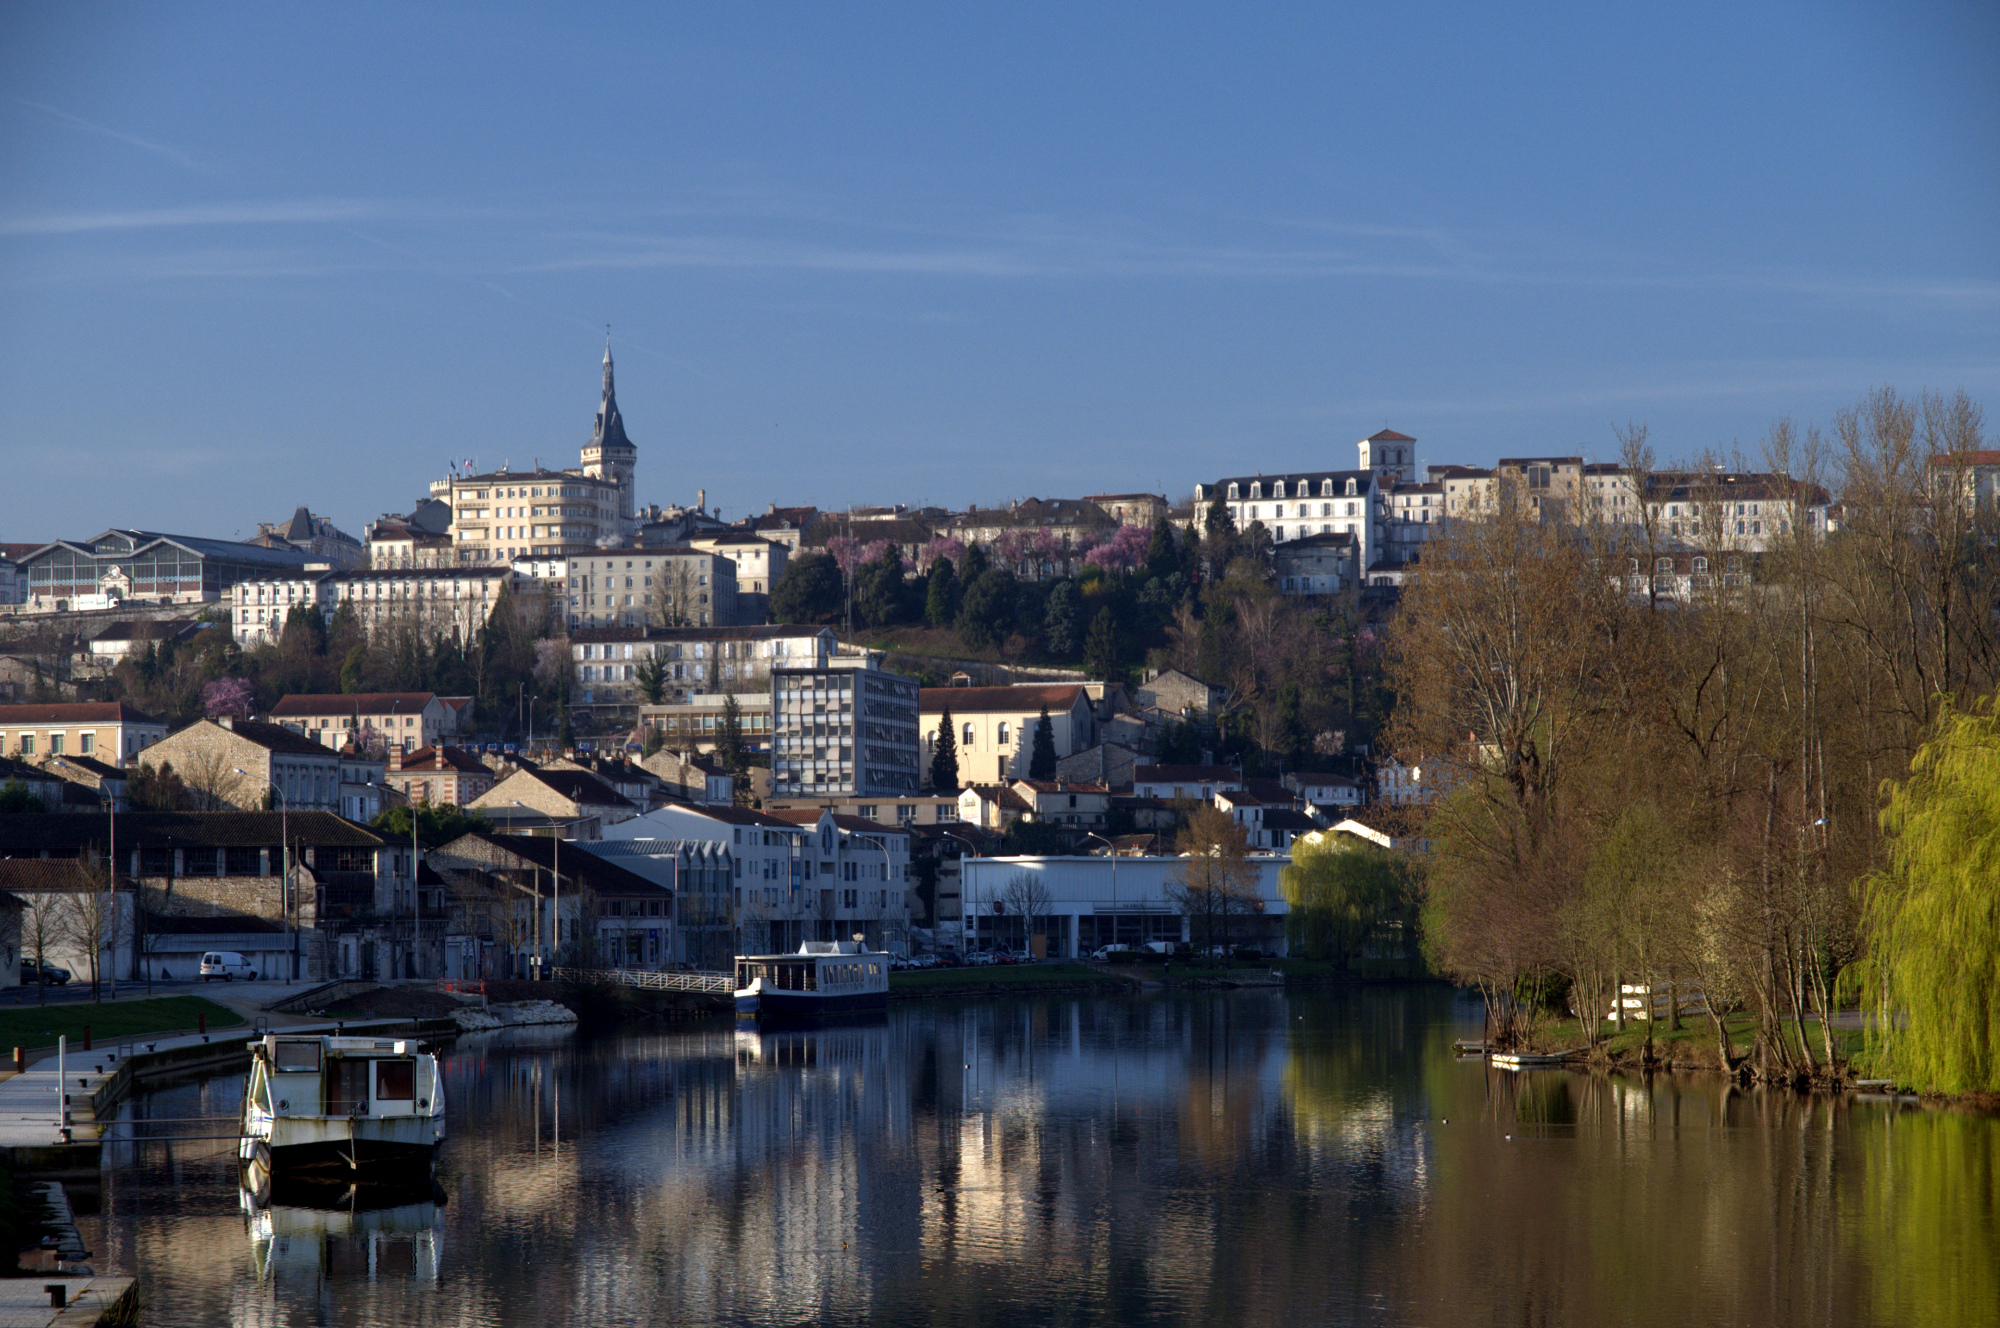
x=729, y=749
x=1042, y=764
x=944, y=758
x=1100, y=649
x=941, y=595
x=1162, y=554
x=1059, y=625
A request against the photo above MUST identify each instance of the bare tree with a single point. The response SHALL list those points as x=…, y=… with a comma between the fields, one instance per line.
x=94, y=920
x=1029, y=900
x=1215, y=885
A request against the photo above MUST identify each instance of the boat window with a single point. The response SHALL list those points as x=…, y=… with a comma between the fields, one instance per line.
x=395, y=1081
x=347, y=1088
x=298, y=1056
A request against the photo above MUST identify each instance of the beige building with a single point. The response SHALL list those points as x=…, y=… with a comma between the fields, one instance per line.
x=500, y=515
x=696, y=660
x=111, y=731
x=670, y=586
x=405, y=721
x=694, y=724
x=236, y=764
x=575, y=802
x=1131, y=509
x=757, y=563
x=995, y=726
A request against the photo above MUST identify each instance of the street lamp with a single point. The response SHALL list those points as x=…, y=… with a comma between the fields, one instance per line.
x=888, y=867
x=1111, y=849
x=416, y=857
x=284, y=871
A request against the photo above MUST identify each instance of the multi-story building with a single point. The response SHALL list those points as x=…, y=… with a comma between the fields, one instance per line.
x=449, y=602
x=694, y=725
x=1131, y=509
x=847, y=726
x=243, y=765
x=672, y=586
x=1316, y=565
x=1974, y=476
x=141, y=565
x=111, y=731
x=443, y=776
x=421, y=539
x=995, y=726
x=404, y=721
x=1297, y=504
x=695, y=661
x=314, y=536
x=757, y=563
x=13, y=579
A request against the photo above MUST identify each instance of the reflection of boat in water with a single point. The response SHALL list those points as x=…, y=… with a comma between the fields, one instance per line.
x=313, y=1231
x=346, y=1103
x=824, y=977
x=852, y=1040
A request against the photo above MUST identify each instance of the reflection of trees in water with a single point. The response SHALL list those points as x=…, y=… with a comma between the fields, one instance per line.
x=1250, y=1159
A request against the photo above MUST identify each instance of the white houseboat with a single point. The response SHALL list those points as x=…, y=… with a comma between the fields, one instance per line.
x=343, y=1102
x=824, y=977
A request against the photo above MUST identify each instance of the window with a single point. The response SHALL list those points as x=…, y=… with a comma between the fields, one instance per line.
x=1002, y=733
x=28, y=743
x=395, y=1081
x=55, y=744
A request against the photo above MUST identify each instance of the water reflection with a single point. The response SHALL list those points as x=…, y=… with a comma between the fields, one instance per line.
x=1249, y=1158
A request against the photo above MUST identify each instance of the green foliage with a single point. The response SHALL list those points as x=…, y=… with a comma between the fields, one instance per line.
x=988, y=611
x=1042, y=762
x=941, y=594
x=436, y=823
x=810, y=591
x=653, y=676
x=1062, y=620
x=1218, y=523
x=1163, y=557
x=1344, y=894
x=15, y=796
x=1180, y=744
x=1932, y=915
x=944, y=756
x=1101, y=648
x=881, y=596
x=1035, y=839
x=729, y=749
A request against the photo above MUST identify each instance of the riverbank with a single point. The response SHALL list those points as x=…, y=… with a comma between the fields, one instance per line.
x=1009, y=980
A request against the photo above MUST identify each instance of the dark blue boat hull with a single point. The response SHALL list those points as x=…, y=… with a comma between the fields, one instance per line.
x=792, y=1004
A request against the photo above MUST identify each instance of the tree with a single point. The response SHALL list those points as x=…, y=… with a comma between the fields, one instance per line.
x=1342, y=892
x=941, y=594
x=157, y=789
x=1042, y=762
x=730, y=751
x=1214, y=885
x=234, y=698
x=653, y=676
x=880, y=592
x=675, y=599
x=944, y=756
x=1061, y=620
x=1932, y=975
x=1163, y=557
x=810, y=591
x=92, y=920
x=15, y=796
x=1100, y=649
x=1218, y=523
x=41, y=929
x=1029, y=900
x=988, y=611
x=437, y=823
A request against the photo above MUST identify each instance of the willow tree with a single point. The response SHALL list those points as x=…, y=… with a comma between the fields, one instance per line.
x=1340, y=891
x=1932, y=914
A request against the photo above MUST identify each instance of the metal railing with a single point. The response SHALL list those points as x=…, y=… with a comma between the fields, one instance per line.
x=722, y=983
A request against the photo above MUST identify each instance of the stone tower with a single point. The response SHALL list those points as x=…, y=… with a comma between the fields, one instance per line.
x=610, y=454
x=1388, y=454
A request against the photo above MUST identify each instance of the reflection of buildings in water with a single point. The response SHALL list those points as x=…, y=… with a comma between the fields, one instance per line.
x=301, y=1239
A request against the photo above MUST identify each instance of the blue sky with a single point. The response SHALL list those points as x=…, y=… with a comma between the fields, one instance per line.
x=253, y=256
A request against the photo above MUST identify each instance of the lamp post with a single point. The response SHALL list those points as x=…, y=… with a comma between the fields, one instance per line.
x=888, y=866
x=284, y=871
x=395, y=913
x=555, y=946
x=1111, y=849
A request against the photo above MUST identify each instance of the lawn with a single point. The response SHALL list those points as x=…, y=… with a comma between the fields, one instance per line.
x=41, y=1025
x=1695, y=1039
x=998, y=975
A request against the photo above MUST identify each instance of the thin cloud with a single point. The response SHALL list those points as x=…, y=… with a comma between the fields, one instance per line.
x=77, y=122
x=201, y=214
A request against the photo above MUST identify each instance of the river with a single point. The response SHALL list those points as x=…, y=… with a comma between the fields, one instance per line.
x=1248, y=1158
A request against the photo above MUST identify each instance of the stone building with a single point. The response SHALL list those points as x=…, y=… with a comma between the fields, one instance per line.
x=574, y=801
x=403, y=721
x=996, y=726
x=108, y=730
x=239, y=764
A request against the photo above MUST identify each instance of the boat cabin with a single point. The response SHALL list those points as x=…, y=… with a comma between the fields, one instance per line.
x=341, y=1076
x=824, y=976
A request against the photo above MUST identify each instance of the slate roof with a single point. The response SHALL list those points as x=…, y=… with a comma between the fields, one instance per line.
x=63, y=835
x=278, y=738
x=578, y=865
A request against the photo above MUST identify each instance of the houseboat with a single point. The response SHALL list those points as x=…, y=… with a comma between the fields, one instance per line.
x=344, y=1103
x=824, y=977
x=306, y=1232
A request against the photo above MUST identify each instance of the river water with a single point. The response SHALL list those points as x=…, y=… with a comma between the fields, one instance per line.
x=1250, y=1158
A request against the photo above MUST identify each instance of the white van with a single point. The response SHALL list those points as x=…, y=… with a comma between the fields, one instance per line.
x=226, y=964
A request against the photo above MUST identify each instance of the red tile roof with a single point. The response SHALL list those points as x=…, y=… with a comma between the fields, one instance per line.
x=74, y=712
x=1390, y=436
x=980, y=700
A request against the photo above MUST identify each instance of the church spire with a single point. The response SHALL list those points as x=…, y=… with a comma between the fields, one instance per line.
x=609, y=430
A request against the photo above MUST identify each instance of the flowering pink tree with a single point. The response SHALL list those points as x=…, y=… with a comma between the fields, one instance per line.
x=941, y=546
x=843, y=548
x=1049, y=546
x=1013, y=546
x=1125, y=551
x=231, y=697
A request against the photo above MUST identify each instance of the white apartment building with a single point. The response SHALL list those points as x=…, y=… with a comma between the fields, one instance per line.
x=757, y=563
x=441, y=601
x=697, y=660
x=847, y=726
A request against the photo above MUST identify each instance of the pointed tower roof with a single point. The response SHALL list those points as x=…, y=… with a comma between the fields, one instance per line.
x=609, y=431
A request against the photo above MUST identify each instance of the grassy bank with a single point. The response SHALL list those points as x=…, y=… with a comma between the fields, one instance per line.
x=1693, y=1044
x=1026, y=977
x=41, y=1025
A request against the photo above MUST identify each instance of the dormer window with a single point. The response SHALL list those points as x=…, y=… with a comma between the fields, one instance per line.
x=1278, y=491
x=1256, y=490
x=1350, y=488
x=1232, y=492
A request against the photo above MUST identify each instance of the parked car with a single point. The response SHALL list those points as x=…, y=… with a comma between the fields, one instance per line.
x=1106, y=951
x=227, y=965
x=47, y=975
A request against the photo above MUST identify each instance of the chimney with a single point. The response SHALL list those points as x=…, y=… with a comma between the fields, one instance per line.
x=701, y=500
